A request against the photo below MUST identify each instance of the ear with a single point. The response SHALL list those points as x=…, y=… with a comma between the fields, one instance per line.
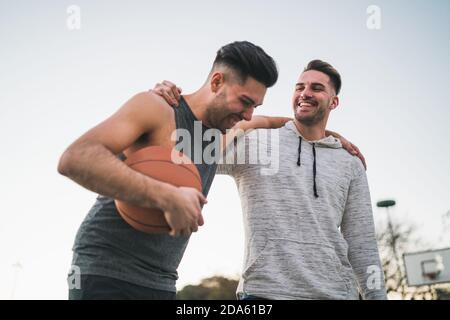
x=217, y=81
x=334, y=102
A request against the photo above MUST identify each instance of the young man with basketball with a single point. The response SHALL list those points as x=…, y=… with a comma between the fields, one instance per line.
x=115, y=260
x=309, y=230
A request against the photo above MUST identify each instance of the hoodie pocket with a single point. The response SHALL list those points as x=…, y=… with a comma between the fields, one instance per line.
x=292, y=269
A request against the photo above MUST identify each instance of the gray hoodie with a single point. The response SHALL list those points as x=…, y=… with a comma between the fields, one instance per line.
x=309, y=231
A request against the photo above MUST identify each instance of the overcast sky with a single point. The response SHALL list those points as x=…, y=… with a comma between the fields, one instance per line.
x=56, y=82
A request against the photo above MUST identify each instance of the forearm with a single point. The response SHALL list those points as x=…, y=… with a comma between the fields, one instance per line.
x=277, y=122
x=358, y=229
x=364, y=259
x=94, y=167
x=262, y=122
x=257, y=122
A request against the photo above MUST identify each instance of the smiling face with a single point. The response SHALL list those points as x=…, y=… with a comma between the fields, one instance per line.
x=234, y=101
x=314, y=98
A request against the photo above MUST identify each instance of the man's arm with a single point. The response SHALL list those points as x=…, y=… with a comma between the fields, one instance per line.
x=358, y=230
x=264, y=122
x=347, y=145
x=257, y=122
x=91, y=162
x=171, y=93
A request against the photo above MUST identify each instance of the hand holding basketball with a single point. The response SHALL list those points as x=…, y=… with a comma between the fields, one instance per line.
x=181, y=211
x=184, y=211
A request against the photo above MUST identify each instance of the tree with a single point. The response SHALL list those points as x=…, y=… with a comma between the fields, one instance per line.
x=394, y=239
x=213, y=288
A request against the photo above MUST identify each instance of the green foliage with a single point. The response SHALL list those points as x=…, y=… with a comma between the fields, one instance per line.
x=214, y=288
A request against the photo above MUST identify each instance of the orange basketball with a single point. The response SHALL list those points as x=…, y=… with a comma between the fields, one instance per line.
x=156, y=162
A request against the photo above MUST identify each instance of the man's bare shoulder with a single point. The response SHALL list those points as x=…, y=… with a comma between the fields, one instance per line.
x=147, y=103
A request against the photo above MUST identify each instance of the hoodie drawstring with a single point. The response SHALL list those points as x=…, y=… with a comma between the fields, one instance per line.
x=314, y=171
x=314, y=163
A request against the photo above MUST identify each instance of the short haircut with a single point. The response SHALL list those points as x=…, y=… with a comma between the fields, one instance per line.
x=248, y=60
x=329, y=70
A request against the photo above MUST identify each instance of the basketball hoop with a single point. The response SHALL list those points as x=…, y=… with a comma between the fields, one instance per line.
x=431, y=268
x=431, y=275
x=427, y=267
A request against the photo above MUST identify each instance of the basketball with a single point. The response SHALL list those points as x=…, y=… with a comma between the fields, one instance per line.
x=156, y=162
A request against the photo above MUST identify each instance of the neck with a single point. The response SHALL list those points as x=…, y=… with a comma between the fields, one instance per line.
x=311, y=133
x=197, y=101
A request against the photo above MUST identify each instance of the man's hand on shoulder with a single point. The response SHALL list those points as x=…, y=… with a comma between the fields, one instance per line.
x=169, y=91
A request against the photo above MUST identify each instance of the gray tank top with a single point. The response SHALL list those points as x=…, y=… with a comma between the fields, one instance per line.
x=106, y=245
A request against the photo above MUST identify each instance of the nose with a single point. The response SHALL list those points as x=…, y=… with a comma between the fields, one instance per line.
x=247, y=115
x=306, y=93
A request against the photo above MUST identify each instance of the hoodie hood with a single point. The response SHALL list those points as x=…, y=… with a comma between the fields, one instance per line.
x=327, y=142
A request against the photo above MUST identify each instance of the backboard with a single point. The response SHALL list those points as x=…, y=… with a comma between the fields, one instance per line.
x=427, y=267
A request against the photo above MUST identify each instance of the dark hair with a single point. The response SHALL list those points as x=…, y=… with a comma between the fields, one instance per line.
x=248, y=60
x=329, y=70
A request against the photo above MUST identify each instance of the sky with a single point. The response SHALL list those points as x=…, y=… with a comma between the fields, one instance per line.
x=57, y=81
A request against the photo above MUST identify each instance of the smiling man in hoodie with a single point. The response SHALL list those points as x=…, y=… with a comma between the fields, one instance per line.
x=309, y=230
